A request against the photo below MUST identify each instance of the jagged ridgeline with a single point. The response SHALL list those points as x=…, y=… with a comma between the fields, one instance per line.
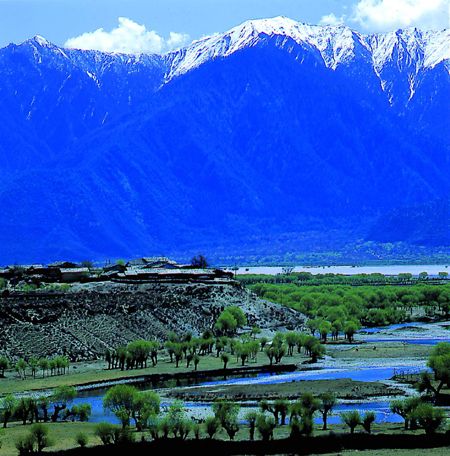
x=319, y=136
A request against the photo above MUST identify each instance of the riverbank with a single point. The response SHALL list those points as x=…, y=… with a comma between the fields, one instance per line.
x=93, y=375
x=344, y=388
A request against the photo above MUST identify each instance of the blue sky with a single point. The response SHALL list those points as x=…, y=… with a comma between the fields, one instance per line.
x=150, y=22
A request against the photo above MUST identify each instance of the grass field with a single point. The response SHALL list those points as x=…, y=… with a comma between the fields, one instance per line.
x=392, y=452
x=383, y=350
x=95, y=371
x=63, y=437
x=344, y=388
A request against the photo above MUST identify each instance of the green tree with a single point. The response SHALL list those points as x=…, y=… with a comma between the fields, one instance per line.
x=327, y=403
x=80, y=412
x=212, y=425
x=324, y=330
x=265, y=426
x=120, y=400
x=8, y=408
x=429, y=418
x=291, y=341
x=226, y=324
x=44, y=365
x=367, y=420
x=178, y=353
x=313, y=325
x=33, y=363
x=43, y=403
x=37, y=440
x=255, y=331
x=251, y=418
x=227, y=413
x=177, y=421
x=352, y=419
x=61, y=397
x=21, y=367
x=41, y=436
x=4, y=364
x=25, y=445
x=238, y=315
x=196, y=361
x=146, y=404
x=262, y=343
x=405, y=408
x=281, y=407
x=25, y=409
x=439, y=362
x=350, y=328
x=225, y=357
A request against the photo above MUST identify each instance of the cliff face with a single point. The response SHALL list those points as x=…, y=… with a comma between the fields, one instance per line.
x=84, y=322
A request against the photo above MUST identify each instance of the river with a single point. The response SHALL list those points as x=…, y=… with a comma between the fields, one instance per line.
x=380, y=369
x=393, y=270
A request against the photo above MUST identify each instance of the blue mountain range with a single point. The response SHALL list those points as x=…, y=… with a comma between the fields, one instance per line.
x=275, y=137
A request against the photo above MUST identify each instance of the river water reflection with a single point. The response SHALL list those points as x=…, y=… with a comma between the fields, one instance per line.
x=383, y=370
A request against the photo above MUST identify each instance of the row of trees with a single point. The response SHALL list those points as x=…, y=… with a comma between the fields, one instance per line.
x=143, y=408
x=127, y=403
x=345, y=306
x=189, y=349
x=44, y=408
x=419, y=414
x=135, y=355
x=58, y=365
x=221, y=340
x=307, y=278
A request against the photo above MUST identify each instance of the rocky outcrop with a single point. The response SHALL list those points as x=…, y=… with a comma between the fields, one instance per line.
x=89, y=318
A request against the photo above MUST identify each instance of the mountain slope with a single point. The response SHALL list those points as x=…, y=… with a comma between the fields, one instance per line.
x=272, y=129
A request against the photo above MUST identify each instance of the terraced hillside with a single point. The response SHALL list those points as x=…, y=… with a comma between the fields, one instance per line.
x=89, y=318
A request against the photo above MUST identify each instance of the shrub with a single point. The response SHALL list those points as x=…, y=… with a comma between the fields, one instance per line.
x=35, y=441
x=25, y=445
x=265, y=426
x=212, y=425
x=81, y=439
x=429, y=418
x=105, y=432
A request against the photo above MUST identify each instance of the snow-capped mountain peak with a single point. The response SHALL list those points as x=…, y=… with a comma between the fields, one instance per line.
x=336, y=44
x=38, y=39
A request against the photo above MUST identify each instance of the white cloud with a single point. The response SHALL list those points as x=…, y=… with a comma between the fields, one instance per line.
x=332, y=19
x=384, y=15
x=128, y=37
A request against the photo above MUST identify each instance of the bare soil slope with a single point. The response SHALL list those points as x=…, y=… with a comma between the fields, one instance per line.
x=85, y=321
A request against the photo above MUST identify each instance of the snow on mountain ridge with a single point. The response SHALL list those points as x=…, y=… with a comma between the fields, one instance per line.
x=336, y=44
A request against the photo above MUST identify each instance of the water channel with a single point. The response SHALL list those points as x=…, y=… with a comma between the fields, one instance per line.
x=383, y=370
